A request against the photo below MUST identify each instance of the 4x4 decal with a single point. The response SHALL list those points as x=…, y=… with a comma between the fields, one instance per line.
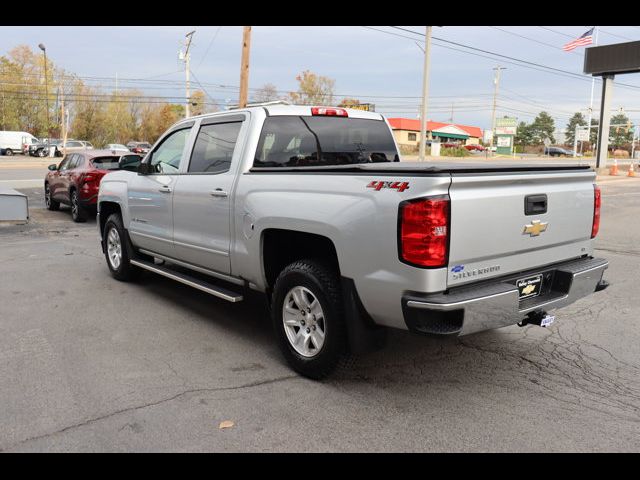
x=378, y=185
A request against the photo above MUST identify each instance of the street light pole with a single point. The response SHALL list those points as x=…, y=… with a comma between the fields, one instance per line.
x=187, y=57
x=46, y=87
x=425, y=94
x=496, y=83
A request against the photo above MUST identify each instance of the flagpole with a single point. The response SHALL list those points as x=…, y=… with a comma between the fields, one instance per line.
x=593, y=82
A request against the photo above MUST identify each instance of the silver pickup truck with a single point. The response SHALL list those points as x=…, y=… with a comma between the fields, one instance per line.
x=312, y=207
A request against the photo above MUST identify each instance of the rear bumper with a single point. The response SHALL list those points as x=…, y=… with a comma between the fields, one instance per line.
x=495, y=304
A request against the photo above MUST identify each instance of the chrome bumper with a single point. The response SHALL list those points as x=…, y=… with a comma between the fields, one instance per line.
x=496, y=304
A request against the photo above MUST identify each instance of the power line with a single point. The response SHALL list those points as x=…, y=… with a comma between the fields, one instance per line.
x=526, y=62
x=555, y=47
x=541, y=69
x=208, y=47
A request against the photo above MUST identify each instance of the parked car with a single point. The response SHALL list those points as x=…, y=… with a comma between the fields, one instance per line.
x=27, y=143
x=475, y=148
x=116, y=147
x=558, y=152
x=41, y=149
x=139, y=147
x=75, y=181
x=13, y=142
x=70, y=147
x=312, y=207
x=88, y=145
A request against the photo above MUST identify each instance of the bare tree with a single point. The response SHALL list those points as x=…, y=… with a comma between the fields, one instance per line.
x=267, y=93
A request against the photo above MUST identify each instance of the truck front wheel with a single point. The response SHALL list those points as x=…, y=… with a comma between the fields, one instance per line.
x=308, y=318
x=117, y=250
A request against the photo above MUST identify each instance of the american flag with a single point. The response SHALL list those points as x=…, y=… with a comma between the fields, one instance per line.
x=585, y=39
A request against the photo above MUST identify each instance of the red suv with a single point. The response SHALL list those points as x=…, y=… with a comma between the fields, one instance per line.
x=76, y=180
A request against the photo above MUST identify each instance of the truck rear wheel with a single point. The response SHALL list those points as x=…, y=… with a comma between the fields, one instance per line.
x=308, y=318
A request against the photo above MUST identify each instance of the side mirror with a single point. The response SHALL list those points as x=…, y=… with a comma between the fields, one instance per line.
x=129, y=162
x=53, y=167
x=145, y=168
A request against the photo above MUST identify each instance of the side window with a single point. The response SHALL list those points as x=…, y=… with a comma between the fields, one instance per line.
x=166, y=158
x=68, y=163
x=214, y=148
x=79, y=161
x=73, y=162
x=63, y=164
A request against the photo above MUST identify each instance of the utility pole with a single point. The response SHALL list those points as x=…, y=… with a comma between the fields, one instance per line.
x=451, y=119
x=187, y=58
x=244, y=67
x=46, y=87
x=425, y=93
x=496, y=83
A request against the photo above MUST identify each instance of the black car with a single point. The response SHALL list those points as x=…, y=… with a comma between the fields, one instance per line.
x=557, y=152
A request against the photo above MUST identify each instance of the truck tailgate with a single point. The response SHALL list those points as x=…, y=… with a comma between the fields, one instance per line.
x=492, y=235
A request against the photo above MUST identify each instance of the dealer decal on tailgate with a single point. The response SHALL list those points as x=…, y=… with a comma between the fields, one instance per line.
x=378, y=185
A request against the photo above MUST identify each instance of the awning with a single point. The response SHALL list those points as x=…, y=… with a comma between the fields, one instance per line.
x=449, y=135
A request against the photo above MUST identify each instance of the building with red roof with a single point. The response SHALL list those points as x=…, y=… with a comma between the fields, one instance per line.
x=407, y=132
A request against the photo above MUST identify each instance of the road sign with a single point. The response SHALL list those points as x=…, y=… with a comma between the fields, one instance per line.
x=582, y=135
x=504, y=141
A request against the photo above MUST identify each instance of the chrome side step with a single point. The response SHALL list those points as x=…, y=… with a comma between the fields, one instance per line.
x=201, y=285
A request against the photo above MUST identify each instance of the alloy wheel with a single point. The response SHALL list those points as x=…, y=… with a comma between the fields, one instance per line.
x=304, y=322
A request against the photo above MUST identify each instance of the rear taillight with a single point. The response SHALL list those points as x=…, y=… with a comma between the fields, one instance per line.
x=597, y=201
x=424, y=231
x=329, y=112
x=90, y=178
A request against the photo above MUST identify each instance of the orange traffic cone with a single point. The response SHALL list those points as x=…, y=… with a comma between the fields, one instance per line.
x=632, y=172
x=614, y=169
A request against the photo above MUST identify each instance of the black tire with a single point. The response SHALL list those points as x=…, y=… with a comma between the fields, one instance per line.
x=79, y=214
x=324, y=284
x=49, y=202
x=8, y=152
x=124, y=271
x=40, y=152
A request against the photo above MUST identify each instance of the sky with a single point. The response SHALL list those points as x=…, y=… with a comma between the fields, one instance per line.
x=380, y=64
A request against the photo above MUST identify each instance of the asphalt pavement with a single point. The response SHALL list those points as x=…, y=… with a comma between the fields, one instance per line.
x=88, y=363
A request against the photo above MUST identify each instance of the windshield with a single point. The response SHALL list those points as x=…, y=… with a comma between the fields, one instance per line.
x=106, y=163
x=144, y=145
x=292, y=141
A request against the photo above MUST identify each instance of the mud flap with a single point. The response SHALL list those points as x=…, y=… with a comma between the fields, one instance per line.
x=364, y=335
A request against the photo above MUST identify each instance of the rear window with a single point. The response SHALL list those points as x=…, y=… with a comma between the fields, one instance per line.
x=293, y=141
x=106, y=163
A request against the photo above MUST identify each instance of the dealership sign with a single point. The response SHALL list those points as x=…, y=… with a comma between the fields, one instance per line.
x=369, y=107
x=506, y=126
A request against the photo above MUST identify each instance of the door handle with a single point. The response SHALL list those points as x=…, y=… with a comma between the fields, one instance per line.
x=218, y=192
x=165, y=189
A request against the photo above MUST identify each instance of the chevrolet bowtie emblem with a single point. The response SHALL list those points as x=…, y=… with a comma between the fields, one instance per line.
x=528, y=289
x=535, y=228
